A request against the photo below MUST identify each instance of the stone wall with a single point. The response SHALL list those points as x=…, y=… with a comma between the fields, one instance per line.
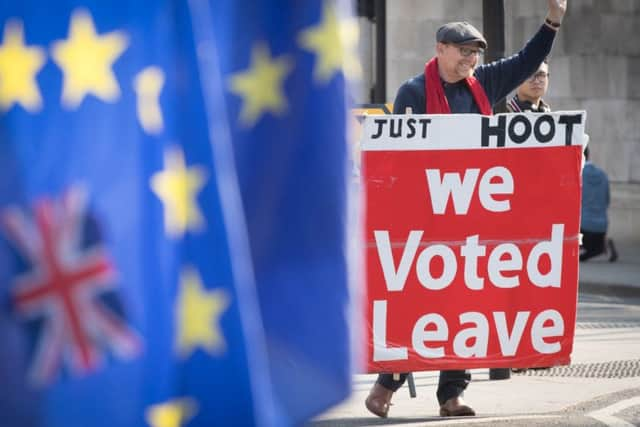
x=595, y=66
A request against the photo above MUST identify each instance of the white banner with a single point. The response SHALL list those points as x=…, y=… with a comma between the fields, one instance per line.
x=437, y=132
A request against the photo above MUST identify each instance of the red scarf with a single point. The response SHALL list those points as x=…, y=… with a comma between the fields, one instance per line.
x=437, y=101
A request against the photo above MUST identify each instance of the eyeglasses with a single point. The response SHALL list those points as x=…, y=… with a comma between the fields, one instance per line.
x=540, y=75
x=467, y=51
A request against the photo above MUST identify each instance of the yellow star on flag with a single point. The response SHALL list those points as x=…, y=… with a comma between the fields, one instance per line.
x=198, y=315
x=174, y=413
x=335, y=43
x=177, y=187
x=261, y=86
x=86, y=60
x=148, y=84
x=19, y=65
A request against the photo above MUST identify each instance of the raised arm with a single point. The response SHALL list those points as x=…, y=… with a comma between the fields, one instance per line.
x=502, y=76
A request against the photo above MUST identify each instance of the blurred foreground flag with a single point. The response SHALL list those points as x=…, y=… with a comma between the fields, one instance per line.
x=152, y=156
x=126, y=290
x=287, y=65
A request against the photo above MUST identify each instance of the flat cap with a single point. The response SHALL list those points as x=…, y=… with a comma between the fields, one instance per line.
x=460, y=33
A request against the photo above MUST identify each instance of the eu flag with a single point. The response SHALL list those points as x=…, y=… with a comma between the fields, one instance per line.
x=288, y=65
x=173, y=212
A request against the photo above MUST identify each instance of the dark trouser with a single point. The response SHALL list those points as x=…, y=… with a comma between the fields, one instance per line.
x=592, y=244
x=451, y=383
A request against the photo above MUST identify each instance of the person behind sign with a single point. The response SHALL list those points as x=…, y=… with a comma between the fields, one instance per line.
x=529, y=94
x=594, y=221
x=452, y=82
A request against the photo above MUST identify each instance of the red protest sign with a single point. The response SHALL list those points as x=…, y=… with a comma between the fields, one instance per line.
x=472, y=251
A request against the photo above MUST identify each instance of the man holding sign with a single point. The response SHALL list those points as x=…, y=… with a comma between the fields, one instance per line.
x=451, y=83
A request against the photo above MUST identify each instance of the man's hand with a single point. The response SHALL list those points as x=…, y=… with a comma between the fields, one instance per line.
x=557, y=8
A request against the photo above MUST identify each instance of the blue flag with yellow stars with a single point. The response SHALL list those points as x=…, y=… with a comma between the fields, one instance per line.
x=126, y=296
x=288, y=65
x=173, y=212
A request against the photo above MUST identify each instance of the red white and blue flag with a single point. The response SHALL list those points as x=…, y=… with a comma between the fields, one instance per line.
x=68, y=290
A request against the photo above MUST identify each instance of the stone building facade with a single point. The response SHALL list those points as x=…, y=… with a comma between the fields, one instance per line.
x=594, y=65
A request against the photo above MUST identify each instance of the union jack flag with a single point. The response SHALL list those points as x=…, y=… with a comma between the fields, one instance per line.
x=69, y=285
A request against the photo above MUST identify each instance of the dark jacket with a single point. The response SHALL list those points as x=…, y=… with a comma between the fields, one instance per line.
x=595, y=199
x=516, y=105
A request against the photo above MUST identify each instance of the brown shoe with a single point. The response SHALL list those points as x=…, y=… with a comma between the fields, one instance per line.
x=379, y=400
x=455, y=407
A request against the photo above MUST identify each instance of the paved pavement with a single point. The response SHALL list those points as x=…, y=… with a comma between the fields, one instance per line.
x=602, y=382
x=620, y=278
